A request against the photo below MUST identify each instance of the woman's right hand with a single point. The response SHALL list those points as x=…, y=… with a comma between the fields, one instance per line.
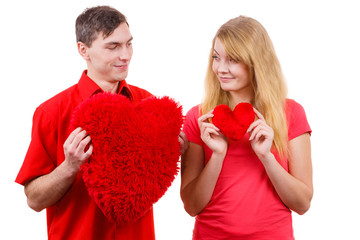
x=211, y=135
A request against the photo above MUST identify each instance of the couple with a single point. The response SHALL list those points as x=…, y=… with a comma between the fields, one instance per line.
x=242, y=189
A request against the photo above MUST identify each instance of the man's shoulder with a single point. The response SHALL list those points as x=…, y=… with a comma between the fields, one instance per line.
x=138, y=89
x=58, y=100
x=139, y=93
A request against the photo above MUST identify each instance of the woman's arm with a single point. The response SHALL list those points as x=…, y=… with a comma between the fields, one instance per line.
x=197, y=179
x=295, y=188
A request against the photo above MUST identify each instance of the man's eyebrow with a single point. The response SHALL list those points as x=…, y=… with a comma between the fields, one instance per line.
x=118, y=43
x=112, y=43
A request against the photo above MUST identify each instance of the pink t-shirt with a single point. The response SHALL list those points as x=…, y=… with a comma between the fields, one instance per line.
x=244, y=204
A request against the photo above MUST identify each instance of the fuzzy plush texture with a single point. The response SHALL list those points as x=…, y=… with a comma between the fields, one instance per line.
x=233, y=124
x=136, y=152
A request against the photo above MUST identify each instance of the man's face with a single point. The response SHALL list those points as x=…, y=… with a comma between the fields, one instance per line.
x=108, y=59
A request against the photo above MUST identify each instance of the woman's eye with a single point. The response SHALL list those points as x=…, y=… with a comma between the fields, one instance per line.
x=233, y=60
x=215, y=57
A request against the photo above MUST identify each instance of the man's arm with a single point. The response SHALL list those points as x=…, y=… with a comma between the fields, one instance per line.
x=46, y=190
x=184, y=143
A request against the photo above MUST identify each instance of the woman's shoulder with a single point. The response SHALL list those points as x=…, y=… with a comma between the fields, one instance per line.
x=296, y=118
x=292, y=102
x=192, y=116
x=194, y=111
x=293, y=106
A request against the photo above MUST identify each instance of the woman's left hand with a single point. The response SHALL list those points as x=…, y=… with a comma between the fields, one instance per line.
x=261, y=136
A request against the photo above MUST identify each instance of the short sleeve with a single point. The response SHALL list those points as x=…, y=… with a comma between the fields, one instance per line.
x=297, y=121
x=42, y=149
x=191, y=126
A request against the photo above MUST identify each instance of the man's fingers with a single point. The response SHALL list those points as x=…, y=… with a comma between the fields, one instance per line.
x=72, y=135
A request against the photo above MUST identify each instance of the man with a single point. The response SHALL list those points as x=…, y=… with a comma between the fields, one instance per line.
x=50, y=172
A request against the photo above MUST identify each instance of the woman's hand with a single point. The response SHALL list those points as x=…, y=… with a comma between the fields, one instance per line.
x=261, y=136
x=211, y=135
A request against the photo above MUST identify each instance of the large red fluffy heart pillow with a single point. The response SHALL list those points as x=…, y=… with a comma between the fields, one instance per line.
x=233, y=124
x=136, y=152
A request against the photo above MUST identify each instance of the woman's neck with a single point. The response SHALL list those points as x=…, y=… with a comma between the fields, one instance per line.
x=236, y=98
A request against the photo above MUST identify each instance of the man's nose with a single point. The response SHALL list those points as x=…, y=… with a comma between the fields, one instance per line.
x=125, y=53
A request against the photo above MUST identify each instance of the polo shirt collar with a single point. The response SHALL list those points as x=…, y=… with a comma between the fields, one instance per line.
x=125, y=89
x=87, y=87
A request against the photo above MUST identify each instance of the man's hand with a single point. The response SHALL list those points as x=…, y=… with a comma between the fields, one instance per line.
x=75, y=150
x=184, y=143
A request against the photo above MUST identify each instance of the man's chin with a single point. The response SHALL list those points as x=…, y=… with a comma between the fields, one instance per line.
x=119, y=77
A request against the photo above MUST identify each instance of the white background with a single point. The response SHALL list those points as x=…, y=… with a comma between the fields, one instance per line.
x=317, y=42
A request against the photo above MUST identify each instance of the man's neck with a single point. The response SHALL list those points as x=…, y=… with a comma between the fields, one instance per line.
x=105, y=85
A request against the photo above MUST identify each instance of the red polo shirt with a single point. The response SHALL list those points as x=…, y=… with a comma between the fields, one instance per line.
x=75, y=216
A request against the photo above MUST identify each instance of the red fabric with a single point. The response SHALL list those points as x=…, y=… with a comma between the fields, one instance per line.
x=244, y=204
x=76, y=215
x=233, y=124
x=136, y=152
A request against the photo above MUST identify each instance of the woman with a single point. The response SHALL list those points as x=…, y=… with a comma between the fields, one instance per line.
x=246, y=189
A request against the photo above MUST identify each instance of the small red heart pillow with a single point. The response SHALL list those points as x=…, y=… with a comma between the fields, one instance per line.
x=136, y=152
x=233, y=124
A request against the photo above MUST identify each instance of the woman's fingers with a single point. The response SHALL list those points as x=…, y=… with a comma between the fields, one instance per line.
x=209, y=125
x=205, y=117
x=258, y=114
x=259, y=128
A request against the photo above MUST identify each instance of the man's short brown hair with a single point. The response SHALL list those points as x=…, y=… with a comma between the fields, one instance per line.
x=96, y=20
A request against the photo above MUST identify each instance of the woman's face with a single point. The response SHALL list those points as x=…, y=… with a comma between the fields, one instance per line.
x=233, y=76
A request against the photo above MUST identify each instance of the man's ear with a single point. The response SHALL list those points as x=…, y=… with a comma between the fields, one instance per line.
x=83, y=50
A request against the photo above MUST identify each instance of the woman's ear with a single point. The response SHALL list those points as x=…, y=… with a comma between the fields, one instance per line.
x=83, y=50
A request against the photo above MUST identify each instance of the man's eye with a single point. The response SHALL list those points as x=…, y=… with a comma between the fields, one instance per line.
x=112, y=47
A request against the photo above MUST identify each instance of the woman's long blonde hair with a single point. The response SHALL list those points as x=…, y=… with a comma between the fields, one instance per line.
x=246, y=40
